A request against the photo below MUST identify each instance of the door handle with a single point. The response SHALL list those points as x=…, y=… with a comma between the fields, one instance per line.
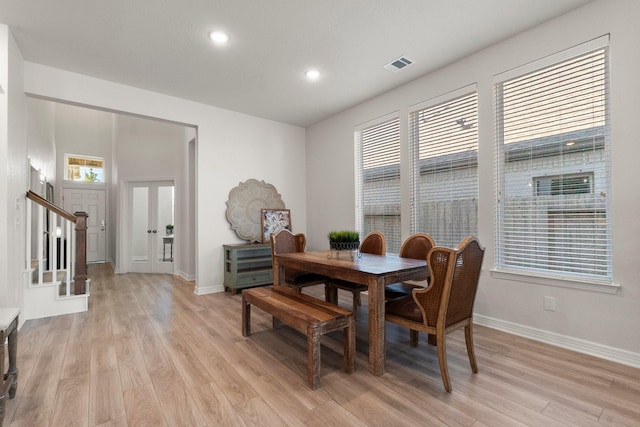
x=149, y=231
x=155, y=231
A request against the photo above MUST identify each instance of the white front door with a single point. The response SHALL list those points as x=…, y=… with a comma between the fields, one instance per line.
x=93, y=203
x=151, y=209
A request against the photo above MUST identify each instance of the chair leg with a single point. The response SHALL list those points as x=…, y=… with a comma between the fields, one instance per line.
x=356, y=301
x=468, y=337
x=414, y=336
x=331, y=294
x=431, y=339
x=442, y=360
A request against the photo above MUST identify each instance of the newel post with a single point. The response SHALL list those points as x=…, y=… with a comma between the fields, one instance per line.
x=80, y=278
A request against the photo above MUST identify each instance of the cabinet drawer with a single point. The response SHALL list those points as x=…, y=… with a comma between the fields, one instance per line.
x=255, y=277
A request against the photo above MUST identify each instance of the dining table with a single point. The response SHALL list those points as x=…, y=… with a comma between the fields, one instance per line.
x=374, y=271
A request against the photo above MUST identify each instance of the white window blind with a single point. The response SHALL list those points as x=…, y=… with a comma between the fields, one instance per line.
x=553, y=170
x=378, y=180
x=444, y=182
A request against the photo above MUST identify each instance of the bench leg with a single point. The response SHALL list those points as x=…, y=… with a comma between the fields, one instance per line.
x=13, y=354
x=246, y=317
x=313, y=357
x=2, y=385
x=350, y=346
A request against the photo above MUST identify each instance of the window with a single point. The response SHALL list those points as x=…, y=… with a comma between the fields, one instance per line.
x=84, y=169
x=378, y=180
x=563, y=184
x=552, y=134
x=444, y=154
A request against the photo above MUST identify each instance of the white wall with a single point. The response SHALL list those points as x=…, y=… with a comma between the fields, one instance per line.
x=231, y=148
x=41, y=147
x=600, y=323
x=13, y=183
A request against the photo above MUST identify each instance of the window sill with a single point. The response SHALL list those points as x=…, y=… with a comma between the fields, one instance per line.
x=607, y=288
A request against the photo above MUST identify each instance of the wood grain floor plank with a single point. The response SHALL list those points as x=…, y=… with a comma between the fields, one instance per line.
x=215, y=407
x=106, y=402
x=176, y=402
x=221, y=371
x=71, y=407
x=142, y=407
x=131, y=365
x=256, y=412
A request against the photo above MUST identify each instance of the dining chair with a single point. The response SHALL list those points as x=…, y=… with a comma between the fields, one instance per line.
x=284, y=242
x=416, y=246
x=446, y=304
x=373, y=243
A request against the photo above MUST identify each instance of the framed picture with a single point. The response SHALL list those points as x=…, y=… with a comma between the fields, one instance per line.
x=274, y=220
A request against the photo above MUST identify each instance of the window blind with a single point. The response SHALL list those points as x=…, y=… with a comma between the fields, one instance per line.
x=378, y=180
x=444, y=180
x=553, y=170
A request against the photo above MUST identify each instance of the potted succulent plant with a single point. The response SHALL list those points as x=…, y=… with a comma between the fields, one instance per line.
x=169, y=229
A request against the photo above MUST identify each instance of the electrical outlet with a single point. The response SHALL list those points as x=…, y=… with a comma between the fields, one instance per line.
x=550, y=303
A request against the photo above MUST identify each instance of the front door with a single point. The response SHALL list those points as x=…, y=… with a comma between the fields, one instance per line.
x=151, y=209
x=93, y=203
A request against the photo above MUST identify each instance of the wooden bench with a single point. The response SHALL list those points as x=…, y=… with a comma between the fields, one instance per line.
x=306, y=314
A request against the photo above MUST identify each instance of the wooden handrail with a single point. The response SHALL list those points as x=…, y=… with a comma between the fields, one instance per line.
x=79, y=219
x=48, y=205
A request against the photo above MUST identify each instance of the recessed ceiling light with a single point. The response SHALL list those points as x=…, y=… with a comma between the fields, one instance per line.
x=313, y=74
x=219, y=37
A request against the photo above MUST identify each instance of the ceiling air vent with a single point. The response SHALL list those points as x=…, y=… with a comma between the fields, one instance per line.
x=398, y=64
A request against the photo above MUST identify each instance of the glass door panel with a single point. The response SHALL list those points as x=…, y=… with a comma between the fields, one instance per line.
x=165, y=217
x=140, y=224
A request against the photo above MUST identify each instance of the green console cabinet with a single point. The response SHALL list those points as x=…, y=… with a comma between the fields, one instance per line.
x=247, y=265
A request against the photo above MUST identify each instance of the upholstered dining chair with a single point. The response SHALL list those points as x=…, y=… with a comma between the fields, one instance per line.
x=373, y=243
x=416, y=246
x=284, y=242
x=446, y=304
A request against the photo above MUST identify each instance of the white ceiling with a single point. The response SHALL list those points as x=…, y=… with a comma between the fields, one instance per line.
x=162, y=45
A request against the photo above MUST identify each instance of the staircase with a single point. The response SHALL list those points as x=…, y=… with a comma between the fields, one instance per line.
x=56, y=279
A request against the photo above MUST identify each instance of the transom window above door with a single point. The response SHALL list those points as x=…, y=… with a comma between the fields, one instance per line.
x=83, y=168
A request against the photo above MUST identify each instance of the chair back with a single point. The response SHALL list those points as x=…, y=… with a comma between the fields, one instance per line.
x=464, y=281
x=374, y=243
x=453, y=283
x=417, y=246
x=285, y=242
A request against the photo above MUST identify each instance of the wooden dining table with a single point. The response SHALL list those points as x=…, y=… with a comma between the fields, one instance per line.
x=374, y=271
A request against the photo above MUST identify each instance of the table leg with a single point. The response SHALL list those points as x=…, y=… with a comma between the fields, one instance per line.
x=377, y=349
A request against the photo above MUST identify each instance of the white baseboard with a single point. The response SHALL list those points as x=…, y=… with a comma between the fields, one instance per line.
x=576, y=344
x=185, y=276
x=203, y=290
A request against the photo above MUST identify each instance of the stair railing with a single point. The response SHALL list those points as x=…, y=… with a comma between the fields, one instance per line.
x=73, y=257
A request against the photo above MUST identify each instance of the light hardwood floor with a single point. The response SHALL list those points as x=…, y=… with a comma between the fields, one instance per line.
x=150, y=352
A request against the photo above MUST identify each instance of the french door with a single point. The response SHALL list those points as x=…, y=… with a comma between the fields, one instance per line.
x=151, y=209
